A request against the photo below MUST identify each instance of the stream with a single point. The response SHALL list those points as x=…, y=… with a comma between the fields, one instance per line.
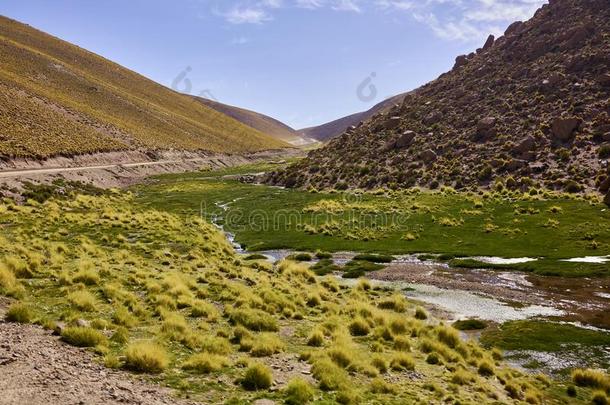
x=490, y=295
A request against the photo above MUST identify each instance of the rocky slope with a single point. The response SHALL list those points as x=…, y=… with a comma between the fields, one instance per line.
x=531, y=108
x=335, y=128
x=263, y=123
x=59, y=99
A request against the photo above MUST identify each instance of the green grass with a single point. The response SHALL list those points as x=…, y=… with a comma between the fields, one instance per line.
x=170, y=297
x=542, y=336
x=551, y=226
x=470, y=324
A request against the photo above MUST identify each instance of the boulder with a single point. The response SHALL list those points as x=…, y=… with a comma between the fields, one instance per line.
x=525, y=145
x=516, y=164
x=432, y=118
x=405, y=140
x=486, y=129
x=562, y=129
x=460, y=61
x=604, y=186
x=513, y=28
x=392, y=123
x=428, y=156
x=489, y=43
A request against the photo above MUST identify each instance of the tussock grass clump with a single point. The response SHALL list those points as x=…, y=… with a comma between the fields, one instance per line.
x=486, y=369
x=298, y=391
x=254, y=319
x=591, y=378
x=421, y=314
x=462, y=377
x=123, y=317
x=448, y=336
x=402, y=343
x=146, y=357
x=203, y=309
x=402, y=362
x=258, y=377
x=83, y=300
x=397, y=303
x=19, y=313
x=599, y=398
x=87, y=277
x=267, y=344
x=380, y=364
x=83, y=337
x=359, y=327
x=330, y=376
x=315, y=339
x=213, y=345
x=380, y=386
x=204, y=363
x=8, y=283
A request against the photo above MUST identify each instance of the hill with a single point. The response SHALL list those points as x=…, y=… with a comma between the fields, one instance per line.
x=530, y=109
x=59, y=99
x=335, y=128
x=263, y=123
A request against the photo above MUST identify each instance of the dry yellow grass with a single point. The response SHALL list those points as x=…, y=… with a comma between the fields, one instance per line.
x=60, y=99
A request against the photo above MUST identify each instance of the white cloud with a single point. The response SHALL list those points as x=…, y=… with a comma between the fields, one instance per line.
x=246, y=15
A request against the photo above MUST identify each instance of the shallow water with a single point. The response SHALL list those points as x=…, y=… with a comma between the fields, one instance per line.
x=589, y=259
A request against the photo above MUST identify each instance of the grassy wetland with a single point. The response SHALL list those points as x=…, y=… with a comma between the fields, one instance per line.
x=151, y=286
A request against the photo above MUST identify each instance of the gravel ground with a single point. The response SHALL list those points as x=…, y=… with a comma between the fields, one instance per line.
x=36, y=368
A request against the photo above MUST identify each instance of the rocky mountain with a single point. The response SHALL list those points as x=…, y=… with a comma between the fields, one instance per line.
x=260, y=122
x=59, y=99
x=335, y=128
x=531, y=108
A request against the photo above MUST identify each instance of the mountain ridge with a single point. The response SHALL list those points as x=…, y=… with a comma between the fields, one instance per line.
x=60, y=99
x=336, y=127
x=528, y=110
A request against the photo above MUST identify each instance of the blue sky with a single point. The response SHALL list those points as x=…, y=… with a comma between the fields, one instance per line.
x=301, y=61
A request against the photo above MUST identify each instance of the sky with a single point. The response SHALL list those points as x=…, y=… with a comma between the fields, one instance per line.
x=304, y=62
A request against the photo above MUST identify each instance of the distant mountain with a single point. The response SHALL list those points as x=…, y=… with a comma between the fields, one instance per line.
x=335, y=128
x=59, y=99
x=528, y=110
x=260, y=122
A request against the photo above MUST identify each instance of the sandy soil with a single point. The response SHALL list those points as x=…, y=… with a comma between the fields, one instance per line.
x=37, y=369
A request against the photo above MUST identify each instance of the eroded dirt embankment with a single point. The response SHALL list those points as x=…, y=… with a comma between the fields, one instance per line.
x=37, y=369
x=120, y=169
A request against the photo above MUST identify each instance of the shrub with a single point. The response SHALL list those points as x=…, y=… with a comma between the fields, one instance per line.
x=604, y=151
x=402, y=361
x=470, y=324
x=315, y=339
x=374, y=258
x=300, y=257
x=20, y=313
x=258, y=377
x=204, y=363
x=359, y=327
x=254, y=319
x=146, y=357
x=420, y=314
x=83, y=337
x=298, y=391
